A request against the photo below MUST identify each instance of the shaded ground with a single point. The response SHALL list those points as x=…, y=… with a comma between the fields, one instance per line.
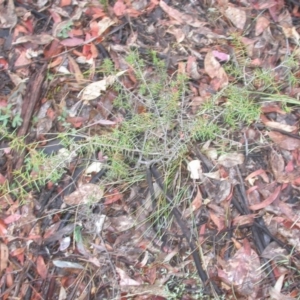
x=149, y=150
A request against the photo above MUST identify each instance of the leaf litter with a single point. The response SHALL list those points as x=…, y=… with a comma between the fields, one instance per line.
x=149, y=150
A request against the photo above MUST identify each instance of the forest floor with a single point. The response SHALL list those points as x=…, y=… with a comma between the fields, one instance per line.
x=149, y=149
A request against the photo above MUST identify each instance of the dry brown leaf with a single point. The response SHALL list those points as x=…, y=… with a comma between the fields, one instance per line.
x=125, y=279
x=290, y=32
x=237, y=16
x=74, y=69
x=261, y=24
x=181, y=17
x=229, y=160
x=85, y=194
x=8, y=17
x=276, y=163
x=3, y=257
x=277, y=125
x=283, y=141
x=214, y=69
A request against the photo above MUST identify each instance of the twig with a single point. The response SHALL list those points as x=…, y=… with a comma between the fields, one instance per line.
x=186, y=232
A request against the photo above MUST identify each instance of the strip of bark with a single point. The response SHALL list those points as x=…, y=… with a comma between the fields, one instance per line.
x=31, y=98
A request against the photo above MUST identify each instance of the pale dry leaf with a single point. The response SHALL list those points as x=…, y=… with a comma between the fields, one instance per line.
x=39, y=39
x=229, y=160
x=125, y=279
x=67, y=264
x=95, y=89
x=181, y=17
x=104, y=24
x=94, y=167
x=86, y=194
x=214, y=69
x=290, y=32
x=195, y=169
x=237, y=16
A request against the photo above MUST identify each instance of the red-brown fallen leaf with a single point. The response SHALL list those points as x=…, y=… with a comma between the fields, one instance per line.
x=3, y=64
x=195, y=205
x=9, y=276
x=75, y=121
x=119, y=8
x=151, y=274
x=263, y=4
x=41, y=267
x=272, y=108
x=2, y=179
x=72, y=42
x=218, y=220
x=4, y=254
x=19, y=254
x=113, y=196
x=260, y=172
x=267, y=201
x=181, y=17
x=65, y=3
x=243, y=220
x=283, y=141
x=12, y=218
x=3, y=230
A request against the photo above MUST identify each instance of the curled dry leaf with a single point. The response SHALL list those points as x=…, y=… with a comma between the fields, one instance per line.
x=95, y=89
x=194, y=167
x=125, y=279
x=87, y=193
x=267, y=201
x=229, y=160
x=237, y=16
